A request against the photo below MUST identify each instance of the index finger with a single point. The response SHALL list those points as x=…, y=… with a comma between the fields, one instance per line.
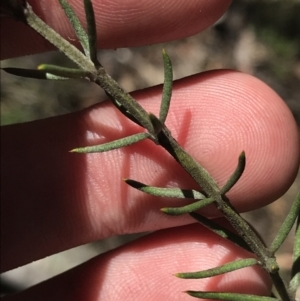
x=53, y=200
x=119, y=23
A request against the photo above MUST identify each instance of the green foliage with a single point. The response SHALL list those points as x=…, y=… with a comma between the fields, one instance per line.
x=155, y=129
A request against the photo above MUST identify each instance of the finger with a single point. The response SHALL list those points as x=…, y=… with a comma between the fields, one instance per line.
x=53, y=200
x=134, y=23
x=144, y=270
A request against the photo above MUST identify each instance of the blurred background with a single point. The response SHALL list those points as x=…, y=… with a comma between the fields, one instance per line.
x=257, y=37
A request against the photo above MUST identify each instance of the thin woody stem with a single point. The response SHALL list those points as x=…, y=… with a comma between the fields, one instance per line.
x=58, y=41
x=115, y=91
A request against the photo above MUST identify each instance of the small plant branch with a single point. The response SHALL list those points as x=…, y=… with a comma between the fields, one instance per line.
x=210, y=187
x=58, y=41
x=157, y=131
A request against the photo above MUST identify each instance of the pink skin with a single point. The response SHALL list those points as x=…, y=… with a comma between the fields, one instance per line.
x=119, y=23
x=53, y=200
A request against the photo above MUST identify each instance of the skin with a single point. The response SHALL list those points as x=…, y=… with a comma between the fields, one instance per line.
x=52, y=200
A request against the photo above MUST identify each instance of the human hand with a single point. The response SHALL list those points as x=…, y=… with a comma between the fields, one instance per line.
x=53, y=200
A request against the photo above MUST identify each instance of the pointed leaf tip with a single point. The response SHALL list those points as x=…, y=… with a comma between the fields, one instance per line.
x=236, y=174
x=167, y=87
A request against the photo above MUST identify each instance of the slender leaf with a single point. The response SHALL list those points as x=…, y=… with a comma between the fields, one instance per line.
x=188, y=208
x=33, y=73
x=78, y=28
x=112, y=145
x=229, y=296
x=65, y=72
x=30, y=73
x=287, y=226
x=92, y=32
x=167, y=88
x=225, y=268
x=166, y=192
x=236, y=174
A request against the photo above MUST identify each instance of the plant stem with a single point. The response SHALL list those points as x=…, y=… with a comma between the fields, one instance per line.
x=210, y=187
x=57, y=40
x=110, y=86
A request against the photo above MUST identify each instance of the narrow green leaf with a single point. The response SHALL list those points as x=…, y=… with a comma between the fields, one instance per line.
x=112, y=145
x=167, y=88
x=236, y=174
x=30, y=73
x=33, y=73
x=79, y=30
x=92, y=32
x=65, y=72
x=229, y=296
x=166, y=192
x=188, y=208
x=220, y=230
x=225, y=268
x=287, y=226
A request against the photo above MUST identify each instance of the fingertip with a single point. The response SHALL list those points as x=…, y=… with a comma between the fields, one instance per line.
x=144, y=270
x=219, y=114
x=119, y=24
x=234, y=112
